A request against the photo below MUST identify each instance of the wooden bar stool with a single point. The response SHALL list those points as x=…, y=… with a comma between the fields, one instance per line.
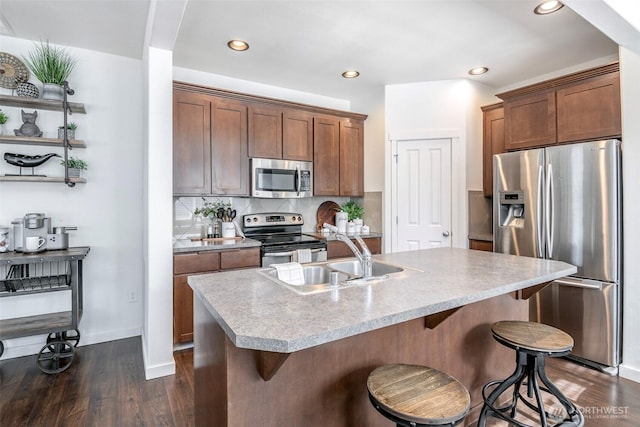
x=414, y=396
x=532, y=342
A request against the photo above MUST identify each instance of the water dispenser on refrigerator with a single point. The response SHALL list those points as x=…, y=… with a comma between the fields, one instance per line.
x=511, y=213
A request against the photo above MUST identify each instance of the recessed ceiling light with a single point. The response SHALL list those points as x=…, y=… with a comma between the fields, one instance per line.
x=351, y=74
x=547, y=7
x=239, y=45
x=478, y=70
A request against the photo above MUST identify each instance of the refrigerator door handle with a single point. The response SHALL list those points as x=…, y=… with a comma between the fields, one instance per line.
x=539, y=212
x=580, y=284
x=549, y=211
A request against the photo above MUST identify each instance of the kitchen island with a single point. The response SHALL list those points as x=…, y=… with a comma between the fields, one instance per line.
x=265, y=355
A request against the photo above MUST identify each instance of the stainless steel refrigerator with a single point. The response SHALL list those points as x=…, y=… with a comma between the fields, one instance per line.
x=564, y=203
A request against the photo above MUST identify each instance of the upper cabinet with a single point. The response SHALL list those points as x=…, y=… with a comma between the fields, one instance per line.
x=209, y=145
x=216, y=132
x=576, y=107
x=338, y=161
x=277, y=133
x=492, y=143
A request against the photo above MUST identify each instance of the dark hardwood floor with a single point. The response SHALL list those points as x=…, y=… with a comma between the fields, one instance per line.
x=105, y=386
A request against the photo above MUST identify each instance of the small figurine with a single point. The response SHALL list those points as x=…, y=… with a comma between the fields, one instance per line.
x=25, y=161
x=29, y=127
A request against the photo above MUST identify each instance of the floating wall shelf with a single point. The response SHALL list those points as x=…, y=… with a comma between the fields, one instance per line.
x=47, y=142
x=28, y=178
x=43, y=104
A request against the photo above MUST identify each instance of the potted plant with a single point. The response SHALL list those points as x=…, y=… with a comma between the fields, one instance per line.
x=353, y=210
x=71, y=131
x=3, y=119
x=52, y=66
x=76, y=166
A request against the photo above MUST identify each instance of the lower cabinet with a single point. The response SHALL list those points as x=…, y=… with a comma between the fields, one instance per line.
x=189, y=264
x=481, y=245
x=338, y=249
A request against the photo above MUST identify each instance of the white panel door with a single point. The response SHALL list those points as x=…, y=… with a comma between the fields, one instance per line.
x=423, y=177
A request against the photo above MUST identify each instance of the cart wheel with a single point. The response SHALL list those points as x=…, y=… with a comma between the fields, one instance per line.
x=55, y=357
x=73, y=336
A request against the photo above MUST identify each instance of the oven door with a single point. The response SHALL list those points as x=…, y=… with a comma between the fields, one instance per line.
x=271, y=178
x=275, y=257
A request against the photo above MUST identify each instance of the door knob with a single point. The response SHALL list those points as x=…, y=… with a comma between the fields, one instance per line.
x=445, y=233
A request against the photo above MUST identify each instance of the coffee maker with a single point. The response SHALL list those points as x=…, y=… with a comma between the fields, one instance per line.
x=33, y=225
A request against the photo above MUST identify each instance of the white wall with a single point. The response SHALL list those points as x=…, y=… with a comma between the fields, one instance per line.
x=630, y=87
x=107, y=210
x=372, y=104
x=445, y=108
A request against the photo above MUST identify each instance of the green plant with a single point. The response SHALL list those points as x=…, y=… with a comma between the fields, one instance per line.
x=50, y=64
x=70, y=126
x=3, y=118
x=353, y=209
x=74, y=163
x=209, y=209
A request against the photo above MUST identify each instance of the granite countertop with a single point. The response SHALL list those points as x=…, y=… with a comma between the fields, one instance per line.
x=259, y=314
x=186, y=245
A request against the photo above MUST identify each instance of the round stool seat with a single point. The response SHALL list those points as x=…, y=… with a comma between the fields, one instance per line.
x=532, y=336
x=418, y=394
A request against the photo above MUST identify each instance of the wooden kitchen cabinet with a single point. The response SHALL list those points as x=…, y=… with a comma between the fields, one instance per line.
x=572, y=108
x=481, y=245
x=338, y=161
x=191, y=143
x=351, y=158
x=229, y=159
x=265, y=132
x=326, y=156
x=338, y=249
x=590, y=109
x=297, y=136
x=209, y=145
x=492, y=143
x=530, y=121
x=275, y=133
x=192, y=263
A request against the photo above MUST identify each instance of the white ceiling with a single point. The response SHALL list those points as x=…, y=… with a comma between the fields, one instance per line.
x=306, y=45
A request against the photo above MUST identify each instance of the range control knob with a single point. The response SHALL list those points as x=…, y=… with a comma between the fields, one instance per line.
x=293, y=218
x=299, y=218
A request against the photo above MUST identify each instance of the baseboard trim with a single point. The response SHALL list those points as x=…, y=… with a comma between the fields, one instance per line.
x=629, y=372
x=156, y=371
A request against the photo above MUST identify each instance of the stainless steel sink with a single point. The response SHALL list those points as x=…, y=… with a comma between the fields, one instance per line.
x=354, y=268
x=317, y=277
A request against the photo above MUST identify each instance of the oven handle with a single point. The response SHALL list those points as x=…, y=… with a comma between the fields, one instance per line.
x=274, y=254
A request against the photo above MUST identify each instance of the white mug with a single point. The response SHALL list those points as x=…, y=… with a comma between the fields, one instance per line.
x=228, y=230
x=33, y=243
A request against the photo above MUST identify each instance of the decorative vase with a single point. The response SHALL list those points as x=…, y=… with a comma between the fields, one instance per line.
x=71, y=133
x=52, y=91
x=75, y=173
x=27, y=90
x=228, y=230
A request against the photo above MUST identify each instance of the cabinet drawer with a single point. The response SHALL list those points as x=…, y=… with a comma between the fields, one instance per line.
x=199, y=262
x=241, y=258
x=338, y=249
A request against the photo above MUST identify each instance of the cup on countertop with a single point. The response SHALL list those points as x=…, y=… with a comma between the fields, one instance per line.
x=341, y=221
x=34, y=243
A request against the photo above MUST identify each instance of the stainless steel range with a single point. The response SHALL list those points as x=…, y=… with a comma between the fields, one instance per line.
x=282, y=238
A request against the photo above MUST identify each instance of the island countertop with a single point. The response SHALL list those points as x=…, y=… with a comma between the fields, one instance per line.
x=259, y=314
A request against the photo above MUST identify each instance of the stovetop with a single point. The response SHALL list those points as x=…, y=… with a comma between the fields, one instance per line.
x=278, y=230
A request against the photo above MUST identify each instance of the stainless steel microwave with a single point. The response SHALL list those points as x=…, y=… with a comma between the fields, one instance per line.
x=282, y=179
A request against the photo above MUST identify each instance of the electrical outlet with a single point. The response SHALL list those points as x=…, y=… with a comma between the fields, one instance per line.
x=133, y=295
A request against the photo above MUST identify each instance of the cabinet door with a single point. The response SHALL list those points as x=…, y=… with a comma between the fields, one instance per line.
x=229, y=148
x=297, y=136
x=326, y=156
x=481, y=245
x=530, y=121
x=492, y=143
x=351, y=158
x=191, y=143
x=265, y=132
x=182, y=310
x=338, y=249
x=590, y=109
x=240, y=258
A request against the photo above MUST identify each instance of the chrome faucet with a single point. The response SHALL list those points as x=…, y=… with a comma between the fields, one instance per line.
x=364, y=257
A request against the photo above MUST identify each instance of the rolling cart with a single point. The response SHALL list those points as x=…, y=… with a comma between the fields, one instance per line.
x=49, y=271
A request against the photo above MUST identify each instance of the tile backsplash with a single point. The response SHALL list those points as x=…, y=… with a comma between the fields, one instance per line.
x=186, y=225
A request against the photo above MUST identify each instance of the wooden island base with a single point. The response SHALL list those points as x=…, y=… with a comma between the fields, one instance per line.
x=326, y=385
